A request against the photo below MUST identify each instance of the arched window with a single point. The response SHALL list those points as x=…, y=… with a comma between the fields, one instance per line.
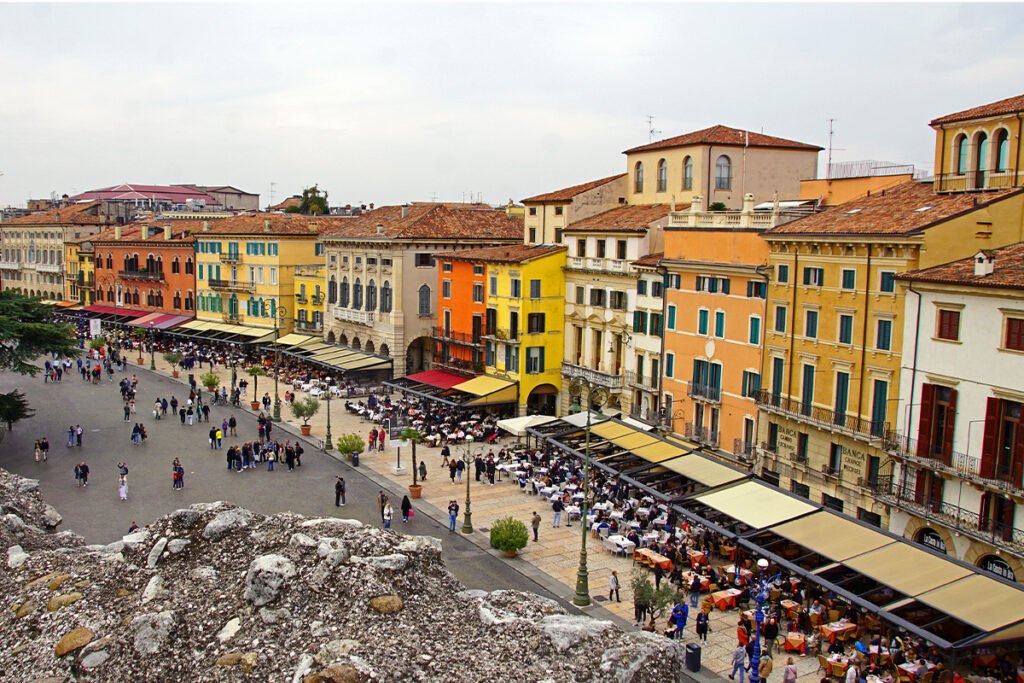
x=370, y=347
x=1002, y=150
x=189, y=268
x=343, y=293
x=384, y=350
x=110, y=262
x=316, y=292
x=150, y=264
x=159, y=298
x=662, y=176
x=177, y=299
x=688, y=173
x=371, y=296
x=980, y=159
x=150, y=299
x=356, y=344
x=961, y=154
x=385, y=297
x=357, y=294
x=110, y=293
x=424, y=300
x=99, y=260
x=160, y=264
x=135, y=296
x=638, y=177
x=332, y=291
x=176, y=265
x=723, y=173
x=189, y=301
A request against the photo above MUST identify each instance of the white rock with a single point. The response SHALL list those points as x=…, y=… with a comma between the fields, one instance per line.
x=229, y=630
x=227, y=521
x=51, y=517
x=152, y=631
x=393, y=562
x=115, y=547
x=274, y=616
x=471, y=594
x=335, y=650
x=176, y=545
x=134, y=539
x=333, y=522
x=333, y=550
x=154, y=589
x=565, y=630
x=16, y=556
x=302, y=541
x=416, y=544
x=28, y=485
x=304, y=667
x=95, y=659
x=266, y=575
x=156, y=552
x=203, y=573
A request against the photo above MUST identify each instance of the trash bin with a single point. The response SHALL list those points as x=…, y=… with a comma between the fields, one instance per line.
x=355, y=460
x=693, y=657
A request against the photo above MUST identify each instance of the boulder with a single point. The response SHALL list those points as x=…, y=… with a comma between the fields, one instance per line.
x=226, y=522
x=394, y=562
x=176, y=545
x=151, y=631
x=266, y=575
x=386, y=604
x=16, y=556
x=154, y=589
x=156, y=552
x=566, y=630
x=59, y=601
x=94, y=660
x=74, y=640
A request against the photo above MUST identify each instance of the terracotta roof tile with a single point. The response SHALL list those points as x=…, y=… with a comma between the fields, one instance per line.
x=1008, y=270
x=514, y=253
x=568, y=193
x=650, y=260
x=427, y=221
x=631, y=218
x=73, y=214
x=900, y=210
x=253, y=224
x=1011, y=105
x=181, y=232
x=724, y=135
x=288, y=203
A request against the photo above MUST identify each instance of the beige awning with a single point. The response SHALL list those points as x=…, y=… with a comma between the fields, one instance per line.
x=658, y=451
x=634, y=440
x=832, y=536
x=295, y=339
x=755, y=504
x=484, y=385
x=703, y=470
x=612, y=429
x=907, y=569
x=979, y=601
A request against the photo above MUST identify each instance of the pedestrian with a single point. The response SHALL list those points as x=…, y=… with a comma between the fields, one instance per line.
x=38, y=451
x=535, y=523
x=219, y=436
x=764, y=670
x=739, y=663
x=127, y=413
x=680, y=614
x=339, y=492
x=445, y=452
x=702, y=626
x=371, y=439
x=78, y=435
x=388, y=514
x=381, y=501
x=423, y=470
x=453, y=513
x=695, y=586
x=451, y=470
x=122, y=488
x=181, y=414
x=556, y=518
x=459, y=467
x=44, y=446
x=232, y=424
x=613, y=587
x=639, y=609
x=189, y=413
x=213, y=438
x=658, y=574
x=789, y=674
x=406, y=509
x=289, y=458
x=122, y=470
x=298, y=454
x=491, y=469
x=71, y=437
x=174, y=404
x=83, y=474
x=206, y=413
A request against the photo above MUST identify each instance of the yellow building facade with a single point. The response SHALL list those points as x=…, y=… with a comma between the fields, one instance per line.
x=980, y=148
x=310, y=281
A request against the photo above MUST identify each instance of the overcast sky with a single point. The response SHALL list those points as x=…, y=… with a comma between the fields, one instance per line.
x=392, y=103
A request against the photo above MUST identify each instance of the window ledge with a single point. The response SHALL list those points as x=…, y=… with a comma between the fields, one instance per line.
x=1009, y=350
x=943, y=340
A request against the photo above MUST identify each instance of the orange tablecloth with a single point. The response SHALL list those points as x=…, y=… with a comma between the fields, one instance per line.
x=985, y=662
x=651, y=558
x=792, y=608
x=697, y=557
x=705, y=582
x=838, y=667
x=725, y=599
x=730, y=551
x=795, y=642
x=836, y=628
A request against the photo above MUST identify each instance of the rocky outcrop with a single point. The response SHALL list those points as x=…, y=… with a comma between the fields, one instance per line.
x=217, y=593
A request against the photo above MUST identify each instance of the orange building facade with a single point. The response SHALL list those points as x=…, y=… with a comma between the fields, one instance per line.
x=461, y=315
x=147, y=267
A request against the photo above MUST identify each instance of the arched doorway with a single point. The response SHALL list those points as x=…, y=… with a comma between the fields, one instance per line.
x=998, y=566
x=356, y=344
x=931, y=539
x=542, y=400
x=419, y=355
x=370, y=347
x=330, y=337
x=343, y=339
x=384, y=350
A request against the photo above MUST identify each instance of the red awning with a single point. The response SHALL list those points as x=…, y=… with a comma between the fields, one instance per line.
x=119, y=311
x=438, y=378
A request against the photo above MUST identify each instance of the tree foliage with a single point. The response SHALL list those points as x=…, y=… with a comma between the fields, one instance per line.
x=509, y=535
x=314, y=203
x=415, y=436
x=26, y=334
x=305, y=408
x=349, y=444
x=210, y=380
x=14, y=407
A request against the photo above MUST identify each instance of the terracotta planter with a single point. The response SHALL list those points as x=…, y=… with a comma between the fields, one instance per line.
x=509, y=553
x=415, y=491
x=255, y=405
x=175, y=374
x=305, y=429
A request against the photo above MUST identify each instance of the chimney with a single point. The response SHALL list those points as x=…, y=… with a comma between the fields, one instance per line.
x=167, y=231
x=117, y=232
x=143, y=232
x=405, y=210
x=371, y=206
x=748, y=203
x=380, y=228
x=206, y=226
x=266, y=225
x=984, y=263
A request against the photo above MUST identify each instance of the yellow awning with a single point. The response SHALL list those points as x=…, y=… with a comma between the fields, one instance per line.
x=755, y=504
x=484, y=385
x=510, y=394
x=907, y=569
x=979, y=601
x=703, y=470
x=295, y=339
x=363, y=362
x=656, y=452
x=830, y=535
x=612, y=429
x=197, y=325
x=634, y=440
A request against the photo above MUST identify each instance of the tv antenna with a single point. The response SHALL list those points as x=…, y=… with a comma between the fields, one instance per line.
x=273, y=185
x=828, y=162
x=651, y=132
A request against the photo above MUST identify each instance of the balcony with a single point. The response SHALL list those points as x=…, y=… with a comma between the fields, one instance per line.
x=658, y=418
x=646, y=382
x=50, y=267
x=301, y=298
x=826, y=419
x=10, y=265
x=230, y=317
x=82, y=281
x=975, y=181
x=458, y=365
x=502, y=334
x=604, y=379
x=317, y=299
x=349, y=315
x=704, y=392
x=148, y=276
x=232, y=285
x=309, y=326
x=230, y=257
x=442, y=334
x=598, y=265
x=957, y=518
x=959, y=465
x=308, y=270
x=743, y=450
x=701, y=435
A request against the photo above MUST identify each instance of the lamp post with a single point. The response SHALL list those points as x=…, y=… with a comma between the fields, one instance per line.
x=327, y=437
x=152, y=342
x=596, y=395
x=279, y=319
x=467, y=525
x=759, y=592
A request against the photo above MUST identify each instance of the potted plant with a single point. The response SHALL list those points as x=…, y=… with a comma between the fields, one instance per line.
x=303, y=409
x=658, y=601
x=96, y=343
x=173, y=358
x=210, y=380
x=255, y=372
x=509, y=535
x=415, y=436
x=350, y=446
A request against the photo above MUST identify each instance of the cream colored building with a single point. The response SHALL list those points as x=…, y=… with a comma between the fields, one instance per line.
x=548, y=214
x=382, y=276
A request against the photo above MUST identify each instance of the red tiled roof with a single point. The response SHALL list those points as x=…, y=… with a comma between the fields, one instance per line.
x=254, y=224
x=898, y=210
x=568, y=193
x=73, y=214
x=1007, y=273
x=426, y=221
x=173, y=193
x=630, y=218
x=288, y=203
x=1011, y=105
x=513, y=253
x=649, y=260
x=181, y=232
x=724, y=135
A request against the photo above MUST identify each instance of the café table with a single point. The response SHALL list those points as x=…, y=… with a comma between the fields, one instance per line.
x=725, y=599
x=619, y=544
x=649, y=538
x=651, y=558
x=910, y=668
x=705, y=582
x=837, y=665
x=792, y=608
x=795, y=642
x=836, y=629
x=882, y=654
x=696, y=557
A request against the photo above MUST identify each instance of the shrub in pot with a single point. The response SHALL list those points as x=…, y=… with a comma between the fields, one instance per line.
x=303, y=409
x=255, y=372
x=173, y=358
x=509, y=535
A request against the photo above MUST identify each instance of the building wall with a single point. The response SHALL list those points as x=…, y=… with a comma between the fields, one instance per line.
x=310, y=294
x=989, y=227
x=453, y=346
x=124, y=285
x=32, y=257
x=71, y=270
x=545, y=221
x=947, y=137
x=644, y=368
x=839, y=190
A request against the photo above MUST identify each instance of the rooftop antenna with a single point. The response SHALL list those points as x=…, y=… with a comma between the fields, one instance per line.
x=433, y=197
x=273, y=185
x=651, y=132
x=828, y=162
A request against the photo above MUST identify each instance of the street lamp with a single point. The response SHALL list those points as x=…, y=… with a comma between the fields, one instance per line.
x=759, y=592
x=279, y=319
x=467, y=525
x=327, y=436
x=596, y=396
x=152, y=342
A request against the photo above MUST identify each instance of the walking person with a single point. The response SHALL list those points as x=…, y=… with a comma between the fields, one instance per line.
x=78, y=435
x=459, y=467
x=702, y=625
x=388, y=515
x=381, y=501
x=38, y=451
x=122, y=488
x=535, y=523
x=739, y=663
x=232, y=424
x=556, y=518
x=451, y=470
x=453, y=513
x=83, y=474
x=789, y=674
x=44, y=446
x=764, y=670
x=406, y=509
x=71, y=437
x=339, y=492
x=613, y=587
x=423, y=470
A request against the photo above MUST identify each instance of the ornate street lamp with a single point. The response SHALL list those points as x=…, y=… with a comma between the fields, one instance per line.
x=467, y=525
x=596, y=396
x=327, y=436
x=759, y=591
x=152, y=342
x=279, y=319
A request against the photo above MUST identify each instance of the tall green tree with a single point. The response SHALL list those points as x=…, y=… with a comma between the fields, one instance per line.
x=26, y=334
x=314, y=203
x=13, y=407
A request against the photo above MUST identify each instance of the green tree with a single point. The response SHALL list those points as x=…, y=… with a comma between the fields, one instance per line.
x=314, y=203
x=210, y=380
x=509, y=535
x=349, y=444
x=26, y=334
x=14, y=407
x=305, y=408
x=415, y=436
x=717, y=206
